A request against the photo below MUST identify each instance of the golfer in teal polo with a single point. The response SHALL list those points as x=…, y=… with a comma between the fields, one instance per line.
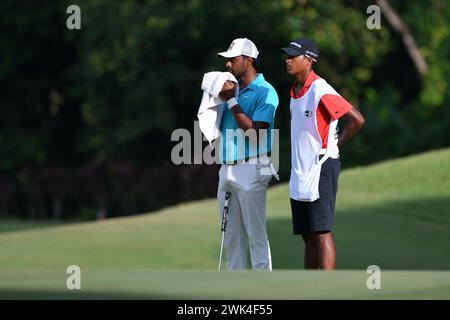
x=246, y=166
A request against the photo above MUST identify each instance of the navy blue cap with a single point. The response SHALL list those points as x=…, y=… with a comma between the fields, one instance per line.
x=301, y=46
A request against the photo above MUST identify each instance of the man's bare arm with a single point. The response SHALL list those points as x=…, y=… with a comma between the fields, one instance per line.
x=355, y=121
x=242, y=120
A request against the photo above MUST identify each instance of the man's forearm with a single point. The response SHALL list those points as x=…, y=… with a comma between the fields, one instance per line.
x=355, y=122
x=348, y=132
x=242, y=120
x=246, y=124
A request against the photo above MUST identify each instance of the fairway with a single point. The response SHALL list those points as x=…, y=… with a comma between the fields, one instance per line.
x=393, y=214
x=207, y=284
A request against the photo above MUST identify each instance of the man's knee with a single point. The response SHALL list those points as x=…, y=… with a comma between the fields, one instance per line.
x=324, y=237
x=310, y=240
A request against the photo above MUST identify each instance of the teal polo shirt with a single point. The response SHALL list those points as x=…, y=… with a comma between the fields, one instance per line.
x=258, y=101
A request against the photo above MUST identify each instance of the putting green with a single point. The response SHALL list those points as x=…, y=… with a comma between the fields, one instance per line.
x=204, y=284
x=393, y=214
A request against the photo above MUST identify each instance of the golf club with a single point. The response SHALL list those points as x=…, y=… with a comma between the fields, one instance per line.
x=224, y=224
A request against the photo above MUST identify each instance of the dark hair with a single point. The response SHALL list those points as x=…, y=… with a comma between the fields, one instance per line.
x=256, y=63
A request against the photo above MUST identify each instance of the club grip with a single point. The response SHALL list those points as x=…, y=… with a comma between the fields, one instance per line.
x=225, y=212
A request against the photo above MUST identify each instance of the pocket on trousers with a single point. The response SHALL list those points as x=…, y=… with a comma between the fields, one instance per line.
x=263, y=172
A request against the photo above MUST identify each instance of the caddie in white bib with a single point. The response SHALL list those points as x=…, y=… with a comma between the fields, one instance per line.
x=306, y=143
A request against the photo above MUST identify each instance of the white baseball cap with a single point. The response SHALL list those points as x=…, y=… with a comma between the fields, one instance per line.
x=240, y=46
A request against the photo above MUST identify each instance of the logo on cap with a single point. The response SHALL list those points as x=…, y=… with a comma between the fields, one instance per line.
x=311, y=53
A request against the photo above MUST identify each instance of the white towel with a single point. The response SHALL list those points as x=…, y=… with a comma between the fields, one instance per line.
x=211, y=107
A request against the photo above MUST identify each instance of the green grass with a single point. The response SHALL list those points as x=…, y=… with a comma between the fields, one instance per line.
x=394, y=214
x=208, y=284
x=14, y=225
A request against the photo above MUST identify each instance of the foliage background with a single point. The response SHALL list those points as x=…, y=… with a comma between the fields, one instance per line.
x=86, y=115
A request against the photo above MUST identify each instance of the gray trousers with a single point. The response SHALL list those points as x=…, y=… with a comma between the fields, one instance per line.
x=246, y=215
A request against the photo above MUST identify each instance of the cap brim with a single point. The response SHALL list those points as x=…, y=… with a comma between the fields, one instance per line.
x=291, y=51
x=228, y=54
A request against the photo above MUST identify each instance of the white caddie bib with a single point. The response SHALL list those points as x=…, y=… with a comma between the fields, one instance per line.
x=306, y=144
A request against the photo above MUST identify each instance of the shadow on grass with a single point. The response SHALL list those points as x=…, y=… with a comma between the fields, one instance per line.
x=16, y=294
x=13, y=225
x=406, y=235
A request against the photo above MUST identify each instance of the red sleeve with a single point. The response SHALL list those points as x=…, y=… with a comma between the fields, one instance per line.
x=335, y=105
